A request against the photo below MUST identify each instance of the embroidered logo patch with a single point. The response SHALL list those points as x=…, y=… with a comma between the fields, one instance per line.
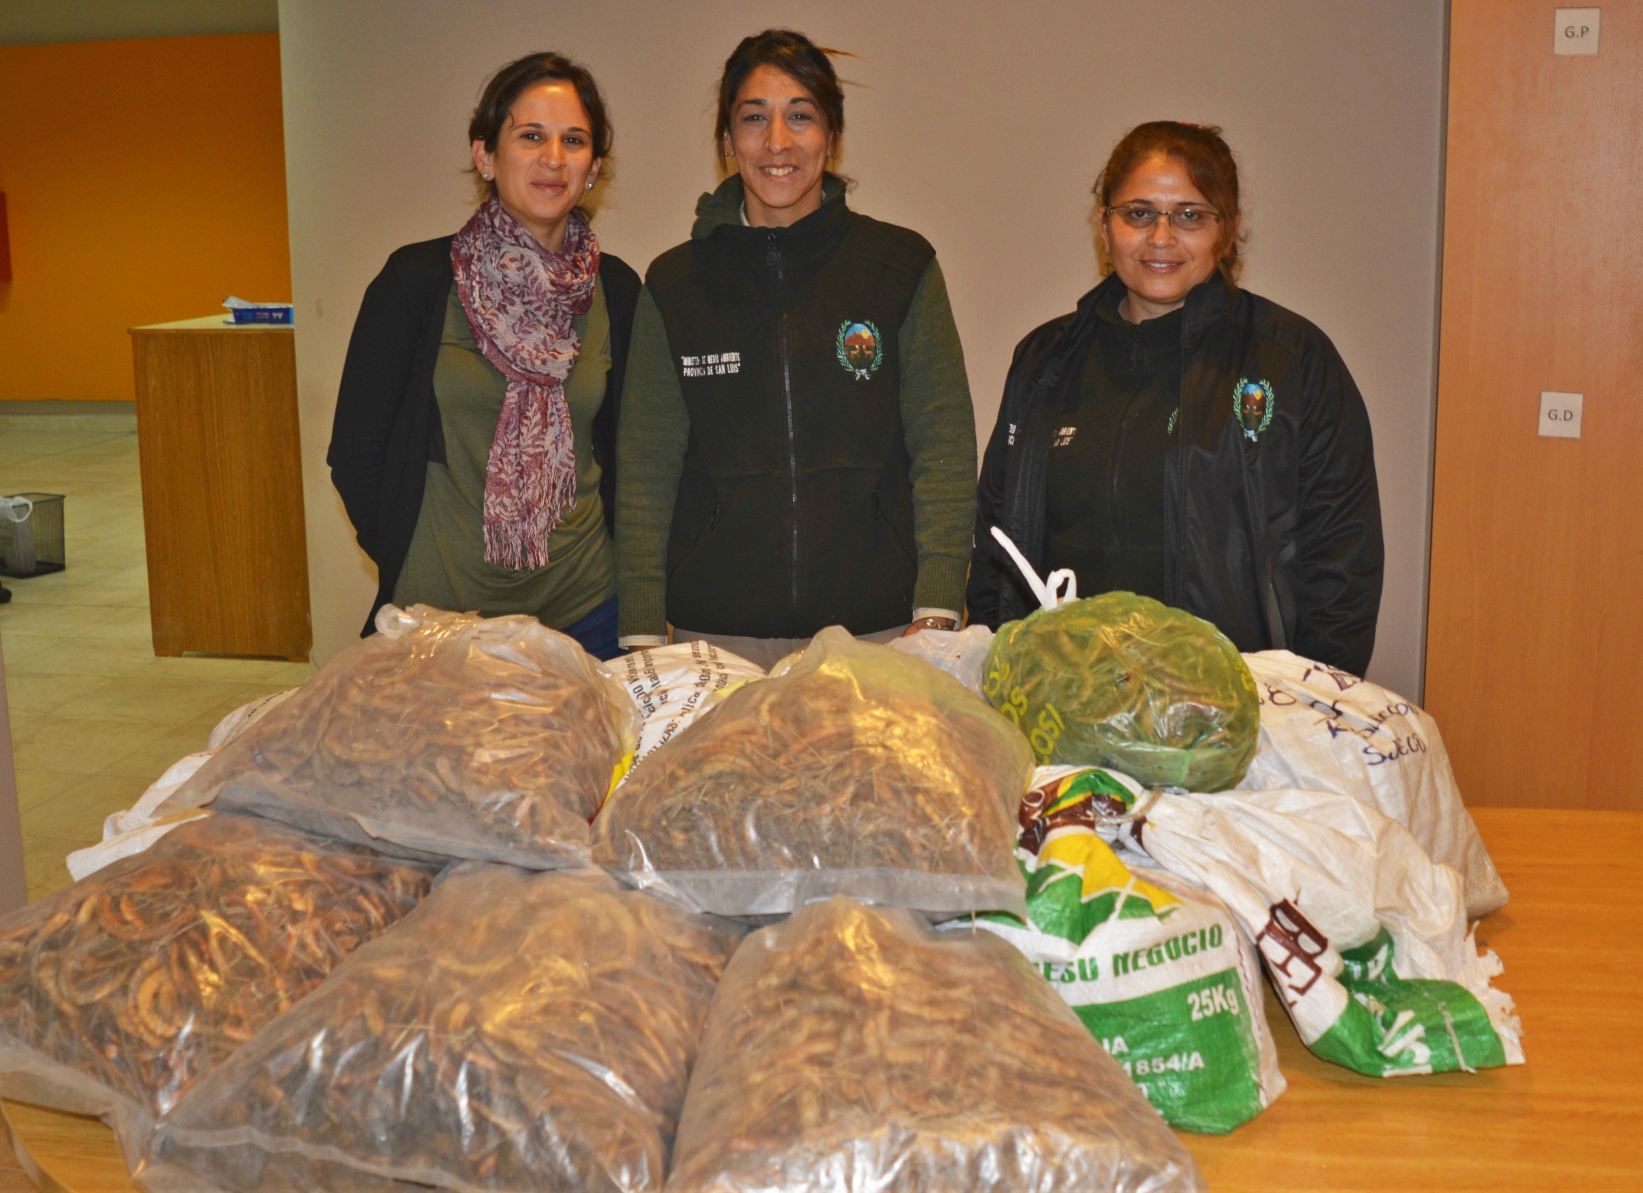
x=714, y=364
x=1064, y=436
x=1252, y=405
x=860, y=348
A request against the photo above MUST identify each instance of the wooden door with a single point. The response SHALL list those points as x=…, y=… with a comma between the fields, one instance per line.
x=1535, y=623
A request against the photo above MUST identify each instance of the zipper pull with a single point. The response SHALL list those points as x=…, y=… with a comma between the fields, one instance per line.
x=772, y=255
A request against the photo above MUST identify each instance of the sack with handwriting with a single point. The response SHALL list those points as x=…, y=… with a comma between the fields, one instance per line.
x=1323, y=729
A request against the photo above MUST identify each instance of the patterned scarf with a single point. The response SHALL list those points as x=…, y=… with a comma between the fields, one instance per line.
x=520, y=299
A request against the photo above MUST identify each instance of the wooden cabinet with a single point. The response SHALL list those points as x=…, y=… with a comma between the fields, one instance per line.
x=222, y=489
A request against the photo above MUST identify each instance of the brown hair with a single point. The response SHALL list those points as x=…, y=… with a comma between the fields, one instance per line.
x=490, y=115
x=1209, y=164
x=793, y=54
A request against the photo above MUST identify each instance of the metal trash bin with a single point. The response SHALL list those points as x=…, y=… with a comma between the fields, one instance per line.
x=31, y=534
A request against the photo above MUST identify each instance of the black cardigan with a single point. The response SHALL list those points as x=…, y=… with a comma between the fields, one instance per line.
x=387, y=426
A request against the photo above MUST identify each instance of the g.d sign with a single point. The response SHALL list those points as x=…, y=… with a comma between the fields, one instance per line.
x=1560, y=414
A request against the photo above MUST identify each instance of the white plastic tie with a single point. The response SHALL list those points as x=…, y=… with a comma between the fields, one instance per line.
x=1060, y=587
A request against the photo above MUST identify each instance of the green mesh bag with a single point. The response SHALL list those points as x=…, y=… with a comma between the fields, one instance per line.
x=1125, y=682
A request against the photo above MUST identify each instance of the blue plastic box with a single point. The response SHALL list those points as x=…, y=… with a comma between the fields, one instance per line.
x=285, y=315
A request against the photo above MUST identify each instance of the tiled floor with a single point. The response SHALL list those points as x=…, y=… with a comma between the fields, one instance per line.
x=95, y=716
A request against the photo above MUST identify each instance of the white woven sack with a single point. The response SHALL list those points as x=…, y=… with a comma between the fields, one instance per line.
x=673, y=685
x=1325, y=730
x=1343, y=871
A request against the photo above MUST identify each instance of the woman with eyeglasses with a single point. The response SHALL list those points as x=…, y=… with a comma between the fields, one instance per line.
x=1181, y=438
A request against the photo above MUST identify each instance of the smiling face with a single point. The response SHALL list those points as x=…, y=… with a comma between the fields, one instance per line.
x=1160, y=264
x=781, y=142
x=543, y=162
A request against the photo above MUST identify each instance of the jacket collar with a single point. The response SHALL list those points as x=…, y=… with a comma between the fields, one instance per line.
x=1207, y=303
x=719, y=217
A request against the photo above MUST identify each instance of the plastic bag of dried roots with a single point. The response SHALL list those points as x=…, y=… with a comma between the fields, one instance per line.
x=119, y=992
x=851, y=1050
x=521, y=1032
x=445, y=735
x=858, y=771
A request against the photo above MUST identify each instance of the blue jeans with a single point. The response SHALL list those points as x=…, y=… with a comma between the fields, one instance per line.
x=597, y=631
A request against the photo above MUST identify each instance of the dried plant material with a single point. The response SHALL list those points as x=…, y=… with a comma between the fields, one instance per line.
x=446, y=735
x=850, y=1051
x=118, y=993
x=1124, y=682
x=520, y=1032
x=859, y=771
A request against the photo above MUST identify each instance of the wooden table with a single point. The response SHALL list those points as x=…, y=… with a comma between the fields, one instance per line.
x=222, y=488
x=1572, y=1118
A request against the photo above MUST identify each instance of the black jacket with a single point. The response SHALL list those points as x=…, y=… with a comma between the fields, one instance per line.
x=795, y=506
x=387, y=425
x=1273, y=536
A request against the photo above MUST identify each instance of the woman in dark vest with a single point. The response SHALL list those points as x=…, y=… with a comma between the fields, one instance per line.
x=797, y=444
x=1179, y=437
x=474, y=440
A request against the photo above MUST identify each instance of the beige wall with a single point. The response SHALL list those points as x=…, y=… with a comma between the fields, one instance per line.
x=979, y=124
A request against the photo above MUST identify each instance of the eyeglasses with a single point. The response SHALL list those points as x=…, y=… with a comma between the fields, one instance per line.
x=1187, y=221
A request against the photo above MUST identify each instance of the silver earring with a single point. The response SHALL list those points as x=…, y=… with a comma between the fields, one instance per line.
x=590, y=186
x=486, y=177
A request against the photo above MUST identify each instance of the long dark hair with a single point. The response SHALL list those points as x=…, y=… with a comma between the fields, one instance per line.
x=793, y=54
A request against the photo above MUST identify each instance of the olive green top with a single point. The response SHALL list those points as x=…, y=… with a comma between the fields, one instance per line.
x=446, y=565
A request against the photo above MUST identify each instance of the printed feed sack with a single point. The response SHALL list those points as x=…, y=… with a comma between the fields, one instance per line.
x=1157, y=970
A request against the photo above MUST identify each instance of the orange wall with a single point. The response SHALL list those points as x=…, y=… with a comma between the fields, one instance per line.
x=144, y=181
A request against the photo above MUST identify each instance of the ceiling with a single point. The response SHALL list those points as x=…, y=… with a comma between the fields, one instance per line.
x=24, y=22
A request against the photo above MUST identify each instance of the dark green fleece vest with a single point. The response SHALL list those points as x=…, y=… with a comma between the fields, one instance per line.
x=795, y=507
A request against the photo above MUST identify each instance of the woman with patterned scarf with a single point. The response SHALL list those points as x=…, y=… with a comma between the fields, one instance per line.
x=474, y=439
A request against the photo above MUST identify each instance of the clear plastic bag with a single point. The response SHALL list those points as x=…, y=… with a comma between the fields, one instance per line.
x=246, y=715
x=135, y=829
x=118, y=993
x=1125, y=682
x=851, y=1050
x=522, y=1031
x=443, y=735
x=960, y=653
x=859, y=771
x=673, y=685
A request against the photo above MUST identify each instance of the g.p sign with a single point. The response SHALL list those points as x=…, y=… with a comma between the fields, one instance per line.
x=1575, y=30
